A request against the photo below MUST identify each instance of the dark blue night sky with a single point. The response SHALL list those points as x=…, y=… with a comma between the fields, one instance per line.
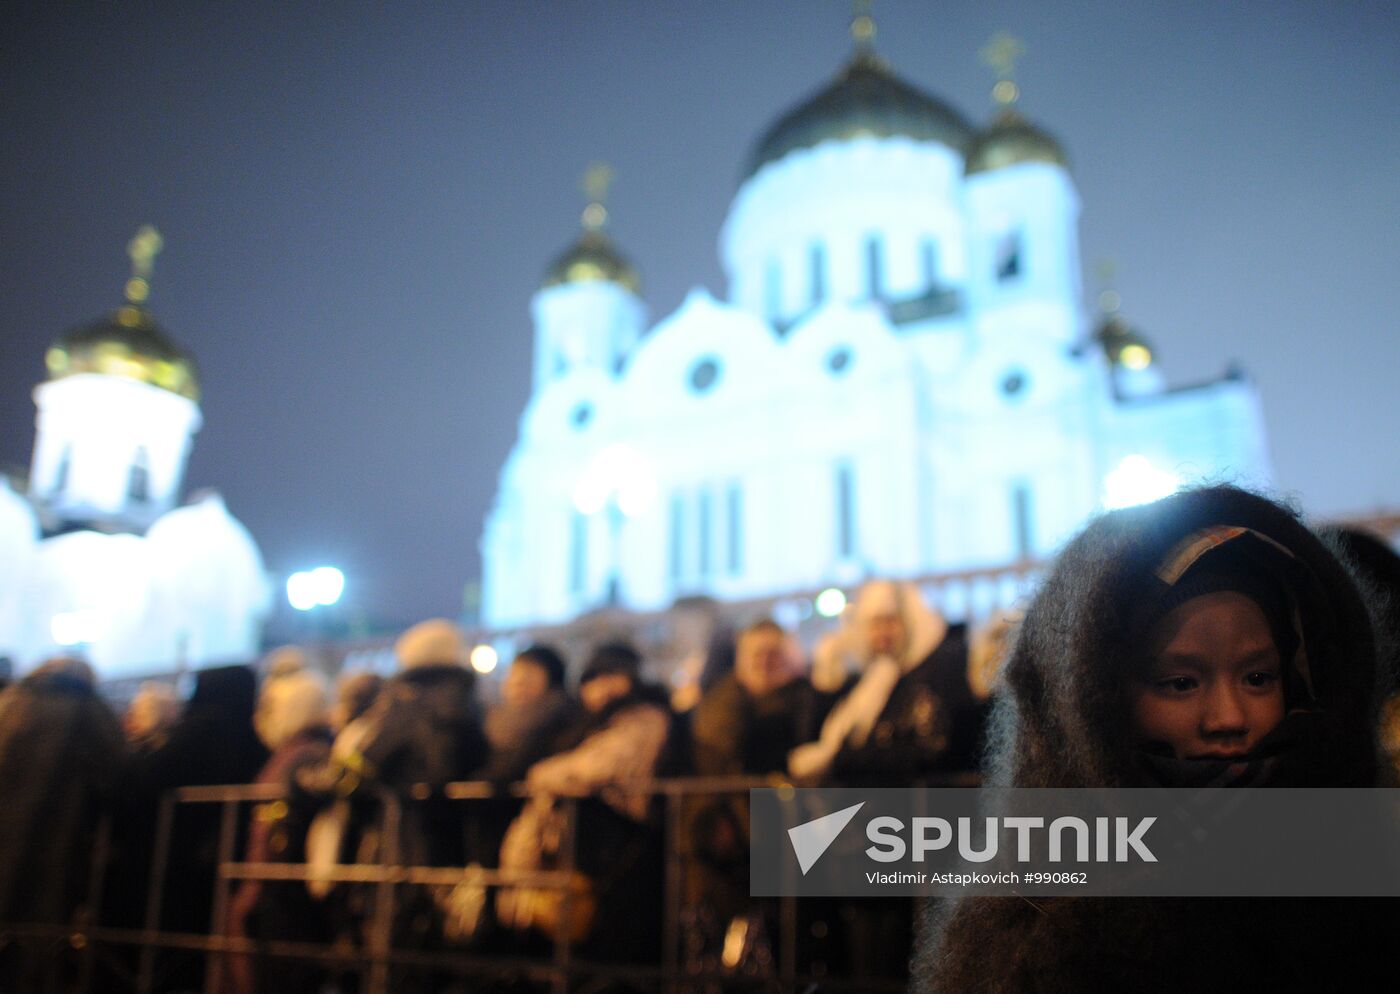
x=359, y=199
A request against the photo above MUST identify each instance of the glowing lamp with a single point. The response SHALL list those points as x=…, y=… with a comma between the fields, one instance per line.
x=1136, y=481
x=830, y=602
x=483, y=658
x=320, y=587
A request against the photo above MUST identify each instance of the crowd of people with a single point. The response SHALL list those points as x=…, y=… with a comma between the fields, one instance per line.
x=1210, y=638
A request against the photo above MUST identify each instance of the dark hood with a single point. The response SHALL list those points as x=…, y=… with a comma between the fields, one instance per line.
x=227, y=688
x=1064, y=719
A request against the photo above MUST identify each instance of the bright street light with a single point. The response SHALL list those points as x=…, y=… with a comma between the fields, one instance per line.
x=320, y=587
x=830, y=602
x=484, y=658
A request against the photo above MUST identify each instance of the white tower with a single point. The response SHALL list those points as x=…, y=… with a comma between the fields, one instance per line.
x=1023, y=220
x=115, y=417
x=589, y=313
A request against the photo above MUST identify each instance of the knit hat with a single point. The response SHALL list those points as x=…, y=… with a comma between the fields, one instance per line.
x=437, y=642
x=612, y=657
x=284, y=661
x=547, y=659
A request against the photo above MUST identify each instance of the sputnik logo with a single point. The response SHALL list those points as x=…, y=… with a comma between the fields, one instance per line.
x=812, y=838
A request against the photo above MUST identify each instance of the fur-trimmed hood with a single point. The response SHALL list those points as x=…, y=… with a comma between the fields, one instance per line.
x=1063, y=721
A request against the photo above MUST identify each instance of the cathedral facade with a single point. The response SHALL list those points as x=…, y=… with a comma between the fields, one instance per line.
x=98, y=556
x=903, y=379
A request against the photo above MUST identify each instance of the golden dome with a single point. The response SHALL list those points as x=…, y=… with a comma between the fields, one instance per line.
x=866, y=99
x=592, y=257
x=1010, y=140
x=1123, y=345
x=127, y=343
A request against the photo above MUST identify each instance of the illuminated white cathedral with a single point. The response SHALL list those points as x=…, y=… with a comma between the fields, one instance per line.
x=903, y=378
x=98, y=557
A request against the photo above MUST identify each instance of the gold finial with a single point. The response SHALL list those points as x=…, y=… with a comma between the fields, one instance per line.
x=862, y=26
x=1109, y=298
x=1001, y=54
x=143, y=250
x=595, y=184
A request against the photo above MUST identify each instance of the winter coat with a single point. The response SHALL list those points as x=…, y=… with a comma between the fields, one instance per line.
x=931, y=724
x=425, y=727
x=212, y=743
x=277, y=834
x=521, y=735
x=609, y=755
x=736, y=733
x=1064, y=722
x=60, y=753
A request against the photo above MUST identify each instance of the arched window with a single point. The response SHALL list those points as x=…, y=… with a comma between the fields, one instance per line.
x=578, y=558
x=818, y=266
x=735, y=501
x=773, y=291
x=845, y=510
x=60, y=476
x=874, y=288
x=928, y=256
x=1008, y=256
x=138, y=481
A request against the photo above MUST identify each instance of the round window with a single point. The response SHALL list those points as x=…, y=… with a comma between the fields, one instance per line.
x=582, y=414
x=1014, y=383
x=704, y=375
x=839, y=359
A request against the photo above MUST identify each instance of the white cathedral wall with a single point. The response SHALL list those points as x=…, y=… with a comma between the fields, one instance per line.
x=838, y=195
x=19, y=547
x=1212, y=433
x=100, y=422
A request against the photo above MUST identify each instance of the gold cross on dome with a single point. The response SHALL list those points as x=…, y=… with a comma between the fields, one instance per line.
x=862, y=25
x=1002, y=53
x=143, y=250
x=596, y=183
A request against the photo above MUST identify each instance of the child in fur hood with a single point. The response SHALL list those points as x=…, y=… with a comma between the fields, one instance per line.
x=1207, y=639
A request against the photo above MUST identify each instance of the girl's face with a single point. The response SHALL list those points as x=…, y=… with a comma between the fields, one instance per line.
x=1213, y=686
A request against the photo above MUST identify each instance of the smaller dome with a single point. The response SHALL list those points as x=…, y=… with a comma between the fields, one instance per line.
x=1010, y=140
x=127, y=343
x=593, y=257
x=1122, y=345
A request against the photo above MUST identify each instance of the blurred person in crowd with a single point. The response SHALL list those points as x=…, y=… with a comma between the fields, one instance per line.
x=909, y=711
x=355, y=692
x=423, y=731
x=1208, y=639
x=283, y=661
x=986, y=655
x=212, y=742
x=533, y=711
x=60, y=754
x=612, y=750
x=750, y=719
x=150, y=716
x=291, y=719
x=7, y=671
x=746, y=723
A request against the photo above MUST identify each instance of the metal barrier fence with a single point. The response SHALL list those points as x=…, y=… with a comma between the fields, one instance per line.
x=374, y=959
